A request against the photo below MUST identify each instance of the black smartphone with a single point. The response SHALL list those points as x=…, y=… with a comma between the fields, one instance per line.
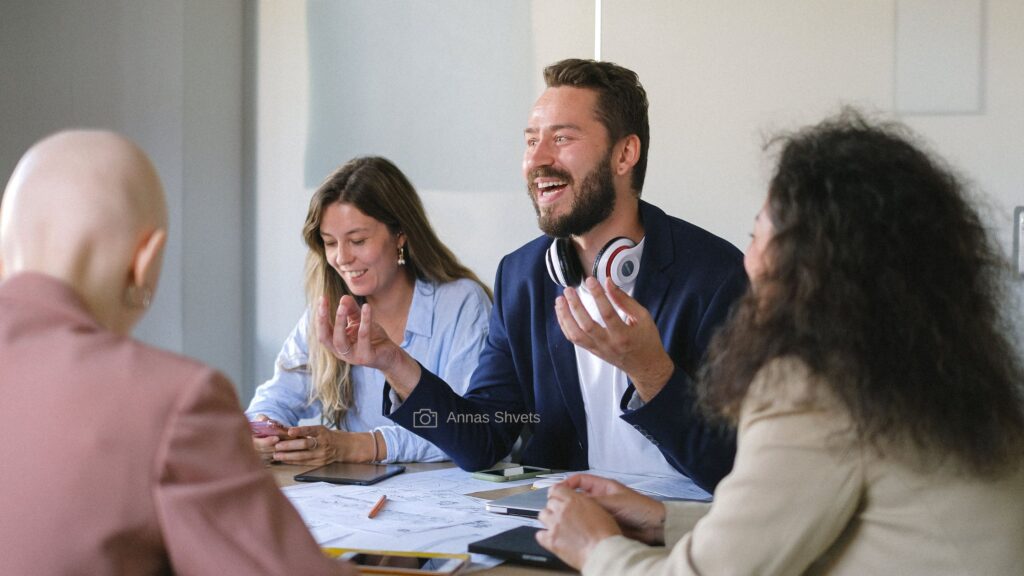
x=350, y=473
x=383, y=562
x=512, y=473
x=375, y=561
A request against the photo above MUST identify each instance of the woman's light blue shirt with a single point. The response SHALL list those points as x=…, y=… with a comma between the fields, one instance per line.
x=445, y=331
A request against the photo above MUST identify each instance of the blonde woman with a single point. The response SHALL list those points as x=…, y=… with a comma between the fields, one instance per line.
x=368, y=237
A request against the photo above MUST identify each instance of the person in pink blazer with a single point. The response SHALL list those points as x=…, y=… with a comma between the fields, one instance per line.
x=118, y=458
x=872, y=375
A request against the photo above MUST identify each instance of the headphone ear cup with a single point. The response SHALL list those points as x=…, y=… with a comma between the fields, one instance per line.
x=571, y=266
x=563, y=266
x=618, y=260
x=554, y=265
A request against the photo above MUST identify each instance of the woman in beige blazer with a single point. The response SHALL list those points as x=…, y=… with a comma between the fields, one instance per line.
x=873, y=380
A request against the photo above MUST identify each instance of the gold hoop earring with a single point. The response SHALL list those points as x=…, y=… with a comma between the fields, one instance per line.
x=138, y=296
x=401, y=255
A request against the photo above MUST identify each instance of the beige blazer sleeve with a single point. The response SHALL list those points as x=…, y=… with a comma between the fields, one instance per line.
x=220, y=512
x=793, y=489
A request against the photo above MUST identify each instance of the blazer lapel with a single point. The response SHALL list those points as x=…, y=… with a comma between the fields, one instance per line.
x=652, y=283
x=563, y=359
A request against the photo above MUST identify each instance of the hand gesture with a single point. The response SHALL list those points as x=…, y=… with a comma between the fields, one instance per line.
x=357, y=339
x=318, y=445
x=638, y=516
x=265, y=445
x=574, y=523
x=309, y=445
x=633, y=345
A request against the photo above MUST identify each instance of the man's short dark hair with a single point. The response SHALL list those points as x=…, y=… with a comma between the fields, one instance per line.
x=621, y=101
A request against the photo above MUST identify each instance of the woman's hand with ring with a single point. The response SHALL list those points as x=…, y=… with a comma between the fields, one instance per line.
x=312, y=445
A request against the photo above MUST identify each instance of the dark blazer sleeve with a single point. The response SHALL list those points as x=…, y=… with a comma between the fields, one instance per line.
x=702, y=450
x=479, y=429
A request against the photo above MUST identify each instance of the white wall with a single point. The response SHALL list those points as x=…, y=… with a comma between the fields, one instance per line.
x=721, y=75
x=169, y=76
x=280, y=196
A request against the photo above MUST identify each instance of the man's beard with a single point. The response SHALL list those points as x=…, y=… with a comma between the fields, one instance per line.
x=593, y=203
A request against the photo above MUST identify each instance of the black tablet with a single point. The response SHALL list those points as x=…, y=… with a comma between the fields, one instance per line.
x=350, y=473
x=518, y=545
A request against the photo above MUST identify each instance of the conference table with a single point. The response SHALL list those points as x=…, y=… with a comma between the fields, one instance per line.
x=284, y=476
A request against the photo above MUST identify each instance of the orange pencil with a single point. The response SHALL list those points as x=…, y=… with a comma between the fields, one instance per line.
x=377, y=507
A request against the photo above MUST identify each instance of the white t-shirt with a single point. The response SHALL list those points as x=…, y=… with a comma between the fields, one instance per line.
x=612, y=443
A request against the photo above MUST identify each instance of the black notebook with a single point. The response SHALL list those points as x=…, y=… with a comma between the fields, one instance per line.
x=518, y=545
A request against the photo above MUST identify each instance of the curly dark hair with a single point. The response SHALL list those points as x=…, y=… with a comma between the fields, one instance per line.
x=621, y=102
x=882, y=279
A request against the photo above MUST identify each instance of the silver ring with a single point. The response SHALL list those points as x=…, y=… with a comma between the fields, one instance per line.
x=315, y=443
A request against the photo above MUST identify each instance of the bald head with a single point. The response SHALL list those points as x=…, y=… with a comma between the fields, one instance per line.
x=79, y=207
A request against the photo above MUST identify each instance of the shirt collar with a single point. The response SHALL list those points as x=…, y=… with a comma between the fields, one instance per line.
x=421, y=311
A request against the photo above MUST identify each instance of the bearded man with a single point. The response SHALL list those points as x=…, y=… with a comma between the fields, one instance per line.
x=598, y=327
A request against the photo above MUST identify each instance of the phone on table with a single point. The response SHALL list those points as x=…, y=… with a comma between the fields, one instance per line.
x=507, y=474
x=387, y=562
x=265, y=428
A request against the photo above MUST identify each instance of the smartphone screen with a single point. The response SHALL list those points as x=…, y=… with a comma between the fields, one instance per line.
x=411, y=563
x=264, y=428
x=393, y=561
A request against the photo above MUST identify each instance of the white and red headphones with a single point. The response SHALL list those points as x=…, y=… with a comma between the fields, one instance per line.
x=619, y=260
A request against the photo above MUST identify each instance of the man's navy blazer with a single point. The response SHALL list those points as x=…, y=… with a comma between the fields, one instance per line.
x=688, y=280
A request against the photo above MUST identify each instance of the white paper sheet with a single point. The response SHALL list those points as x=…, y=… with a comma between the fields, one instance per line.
x=425, y=511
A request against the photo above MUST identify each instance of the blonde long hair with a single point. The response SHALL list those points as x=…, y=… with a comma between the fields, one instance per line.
x=378, y=189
